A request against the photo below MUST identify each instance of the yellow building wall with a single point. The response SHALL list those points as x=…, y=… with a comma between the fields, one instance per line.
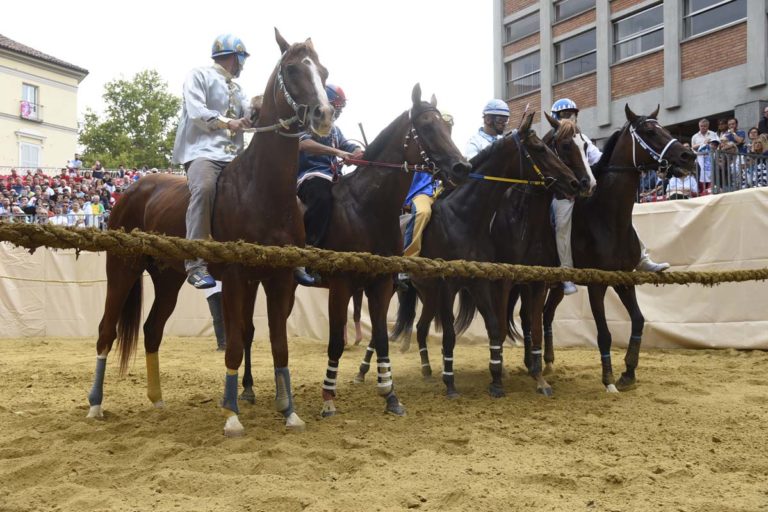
x=56, y=132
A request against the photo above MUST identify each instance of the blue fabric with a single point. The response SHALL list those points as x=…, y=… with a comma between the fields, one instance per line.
x=741, y=133
x=325, y=164
x=230, y=394
x=422, y=183
x=96, y=396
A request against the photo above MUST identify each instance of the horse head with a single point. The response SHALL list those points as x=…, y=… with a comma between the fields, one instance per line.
x=568, y=143
x=433, y=140
x=300, y=78
x=653, y=145
x=543, y=160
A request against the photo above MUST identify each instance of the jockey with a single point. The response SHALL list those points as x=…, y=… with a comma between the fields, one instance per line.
x=319, y=168
x=214, y=114
x=424, y=189
x=495, y=117
x=563, y=208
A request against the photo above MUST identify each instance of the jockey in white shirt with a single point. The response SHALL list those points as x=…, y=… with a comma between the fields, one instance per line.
x=495, y=117
x=563, y=208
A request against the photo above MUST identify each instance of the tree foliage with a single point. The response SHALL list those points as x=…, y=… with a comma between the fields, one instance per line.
x=138, y=127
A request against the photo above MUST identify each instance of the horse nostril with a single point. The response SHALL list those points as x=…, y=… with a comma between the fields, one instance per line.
x=574, y=185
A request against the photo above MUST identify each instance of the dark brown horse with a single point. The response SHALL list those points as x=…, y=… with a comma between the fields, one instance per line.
x=365, y=217
x=460, y=229
x=255, y=201
x=603, y=236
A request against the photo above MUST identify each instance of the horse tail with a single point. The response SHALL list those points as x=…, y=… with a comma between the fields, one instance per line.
x=512, y=331
x=406, y=311
x=128, y=325
x=467, y=311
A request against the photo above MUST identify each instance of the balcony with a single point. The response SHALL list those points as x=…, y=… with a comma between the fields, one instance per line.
x=31, y=111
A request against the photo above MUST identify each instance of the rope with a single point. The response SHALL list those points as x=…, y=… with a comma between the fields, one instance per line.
x=137, y=243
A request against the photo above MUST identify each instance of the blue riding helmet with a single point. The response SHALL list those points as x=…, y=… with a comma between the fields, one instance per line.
x=336, y=96
x=227, y=44
x=497, y=108
x=563, y=104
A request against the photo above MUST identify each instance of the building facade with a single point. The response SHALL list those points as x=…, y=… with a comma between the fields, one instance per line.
x=38, y=107
x=694, y=58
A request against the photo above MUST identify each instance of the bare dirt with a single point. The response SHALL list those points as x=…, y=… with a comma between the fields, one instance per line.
x=691, y=437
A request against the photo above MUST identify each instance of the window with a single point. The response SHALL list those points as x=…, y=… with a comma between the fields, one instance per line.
x=522, y=27
x=29, y=107
x=638, y=33
x=575, y=56
x=29, y=155
x=704, y=15
x=523, y=75
x=568, y=8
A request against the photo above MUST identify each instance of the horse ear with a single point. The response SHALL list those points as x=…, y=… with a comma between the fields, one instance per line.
x=525, y=126
x=655, y=113
x=631, y=116
x=416, y=94
x=554, y=123
x=433, y=100
x=309, y=44
x=281, y=42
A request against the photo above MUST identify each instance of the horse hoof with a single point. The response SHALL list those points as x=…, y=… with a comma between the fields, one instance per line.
x=248, y=396
x=159, y=404
x=546, y=391
x=95, y=412
x=294, y=423
x=233, y=427
x=452, y=395
x=395, y=407
x=626, y=383
x=495, y=391
x=359, y=378
x=405, y=347
x=328, y=409
x=426, y=372
x=611, y=388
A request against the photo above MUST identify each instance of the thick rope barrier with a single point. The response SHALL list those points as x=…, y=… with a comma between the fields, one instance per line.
x=168, y=248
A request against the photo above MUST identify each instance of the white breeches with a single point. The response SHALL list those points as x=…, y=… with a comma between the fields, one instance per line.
x=563, y=209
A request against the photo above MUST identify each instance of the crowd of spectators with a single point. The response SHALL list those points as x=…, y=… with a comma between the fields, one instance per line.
x=727, y=159
x=75, y=196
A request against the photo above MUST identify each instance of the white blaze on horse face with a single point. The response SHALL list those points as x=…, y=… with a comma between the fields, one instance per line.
x=317, y=81
x=578, y=139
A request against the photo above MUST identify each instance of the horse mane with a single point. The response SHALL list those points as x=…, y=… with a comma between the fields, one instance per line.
x=610, y=145
x=383, y=139
x=567, y=131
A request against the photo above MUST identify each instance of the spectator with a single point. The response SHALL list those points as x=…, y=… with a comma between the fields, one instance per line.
x=75, y=163
x=703, y=136
x=60, y=218
x=722, y=128
x=5, y=209
x=706, y=159
x=647, y=183
x=734, y=135
x=96, y=171
x=752, y=135
x=682, y=188
x=757, y=163
x=762, y=126
x=77, y=216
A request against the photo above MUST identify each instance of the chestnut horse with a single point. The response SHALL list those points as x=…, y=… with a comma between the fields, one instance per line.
x=460, y=230
x=603, y=236
x=255, y=202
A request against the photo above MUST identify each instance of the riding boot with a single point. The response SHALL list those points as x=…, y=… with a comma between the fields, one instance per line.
x=214, y=305
x=304, y=278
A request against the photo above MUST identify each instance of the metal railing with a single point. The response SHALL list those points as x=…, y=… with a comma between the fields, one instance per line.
x=30, y=111
x=77, y=220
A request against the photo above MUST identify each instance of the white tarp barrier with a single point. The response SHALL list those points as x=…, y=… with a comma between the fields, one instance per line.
x=51, y=293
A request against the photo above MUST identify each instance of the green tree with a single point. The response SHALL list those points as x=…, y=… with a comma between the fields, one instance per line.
x=138, y=127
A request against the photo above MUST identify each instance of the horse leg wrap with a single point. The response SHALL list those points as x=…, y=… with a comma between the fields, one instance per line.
x=154, y=393
x=549, y=346
x=365, y=364
x=448, y=372
x=96, y=395
x=608, y=379
x=230, y=392
x=384, y=381
x=329, y=384
x=633, y=352
x=283, y=397
x=535, y=370
x=495, y=363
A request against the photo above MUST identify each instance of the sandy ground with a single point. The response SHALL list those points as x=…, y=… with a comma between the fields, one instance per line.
x=691, y=437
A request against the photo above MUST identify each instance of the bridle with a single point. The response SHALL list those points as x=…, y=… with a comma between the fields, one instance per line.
x=545, y=181
x=662, y=164
x=300, y=110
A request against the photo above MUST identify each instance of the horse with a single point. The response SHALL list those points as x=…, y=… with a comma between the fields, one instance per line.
x=261, y=185
x=365, y=218
x=460, y=229
x=524, y=234
x=603, y=237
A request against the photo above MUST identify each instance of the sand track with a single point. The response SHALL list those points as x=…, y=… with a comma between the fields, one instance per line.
x=691, y=437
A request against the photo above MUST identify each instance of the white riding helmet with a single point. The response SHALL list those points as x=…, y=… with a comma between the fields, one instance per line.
x=497, y=108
